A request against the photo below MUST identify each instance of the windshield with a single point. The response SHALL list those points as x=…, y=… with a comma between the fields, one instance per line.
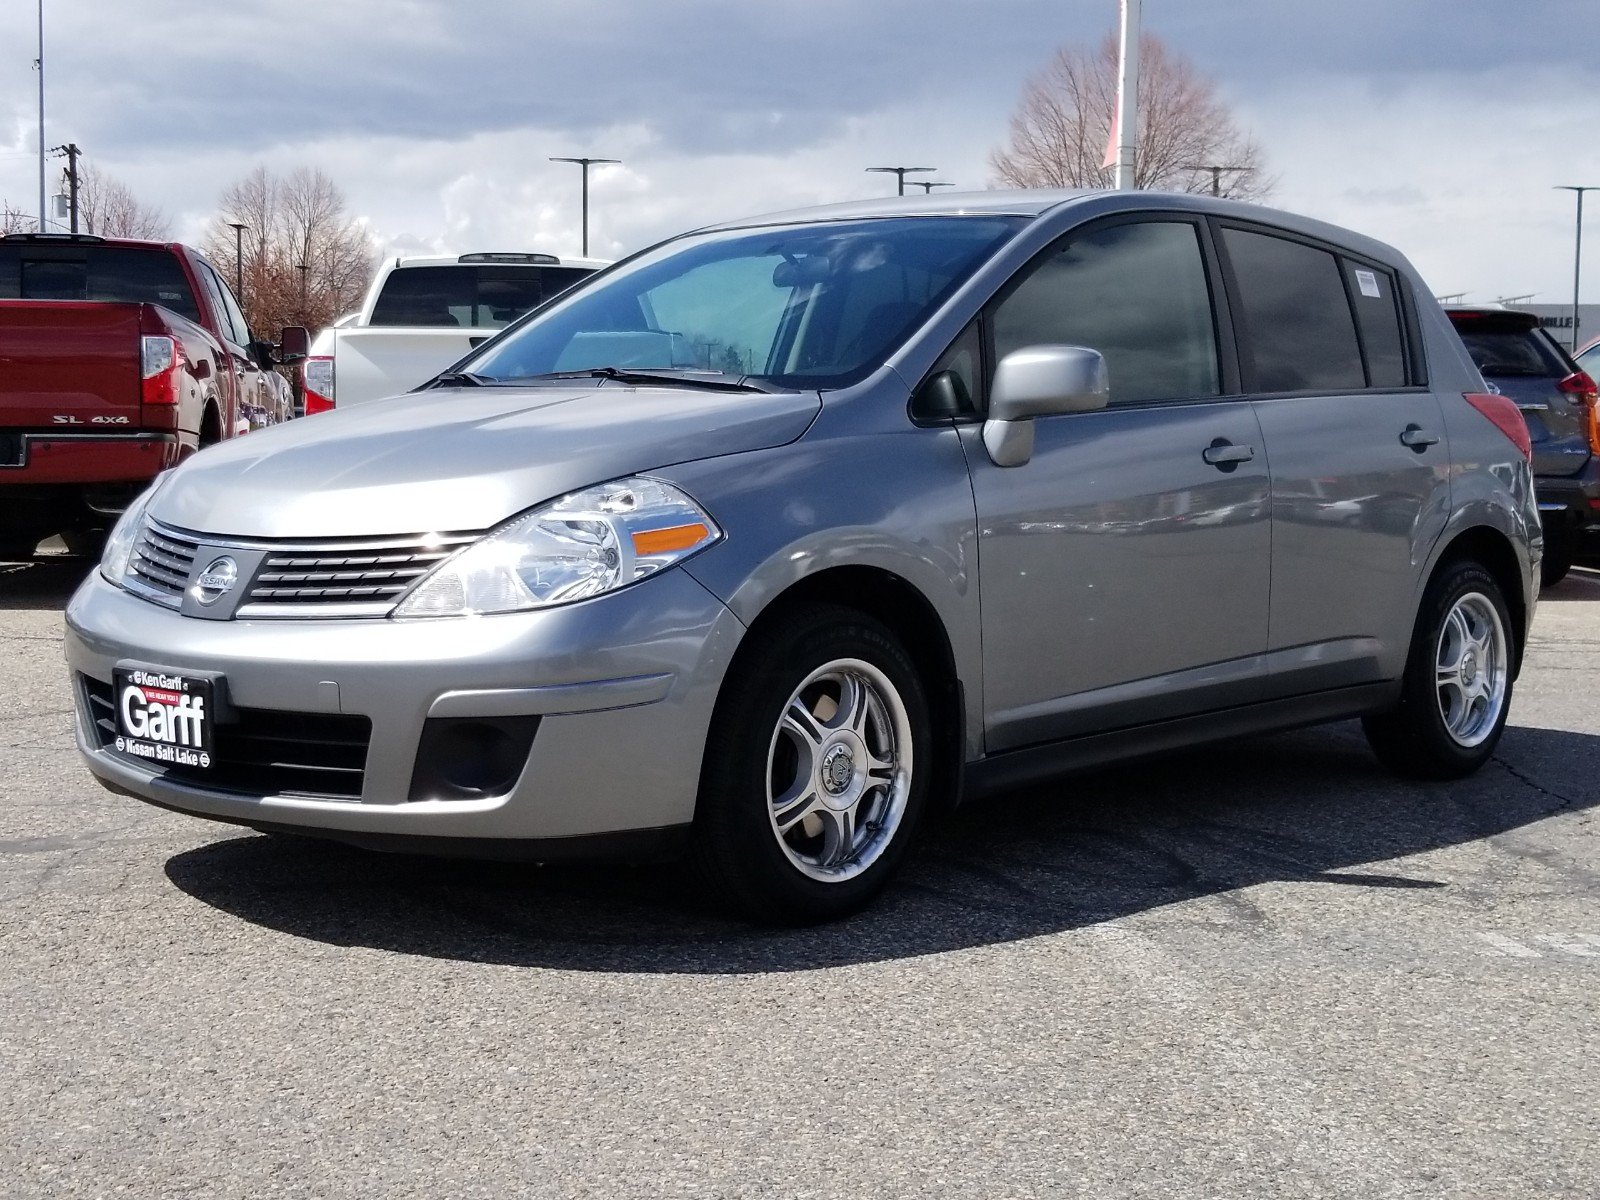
x=804, y=306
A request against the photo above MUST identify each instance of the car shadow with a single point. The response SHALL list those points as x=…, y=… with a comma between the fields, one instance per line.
x=48, y=581
x=1308, y=807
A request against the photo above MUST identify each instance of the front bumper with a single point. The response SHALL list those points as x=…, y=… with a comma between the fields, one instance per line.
x=623, y=686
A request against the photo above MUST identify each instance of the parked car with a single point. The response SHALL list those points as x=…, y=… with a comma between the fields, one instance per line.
x=422, y=314
x=783, y=532
x=1559, y=402
x=1588, y=359
x=120, y=358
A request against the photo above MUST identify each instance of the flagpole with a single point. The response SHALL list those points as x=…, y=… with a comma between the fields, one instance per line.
x=1127, y=118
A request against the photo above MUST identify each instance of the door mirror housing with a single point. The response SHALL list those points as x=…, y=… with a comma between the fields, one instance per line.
x=1039, y=381
x=294, y=343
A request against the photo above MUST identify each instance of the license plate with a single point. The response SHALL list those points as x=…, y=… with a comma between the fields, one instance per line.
x=164, y=717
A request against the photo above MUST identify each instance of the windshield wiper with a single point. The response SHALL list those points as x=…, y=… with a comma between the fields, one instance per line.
x=665, y=377
x=459, y=379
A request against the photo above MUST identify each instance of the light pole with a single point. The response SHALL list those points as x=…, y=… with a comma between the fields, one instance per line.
x=927, y=185
x=1216, y=170
x=39, y=63
x=900, y=174
x=585, y=164
x=1577, y=254
x=238, y=228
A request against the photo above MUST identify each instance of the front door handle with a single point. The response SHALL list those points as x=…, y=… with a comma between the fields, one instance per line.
x=1418, y=438
x=1224, y=454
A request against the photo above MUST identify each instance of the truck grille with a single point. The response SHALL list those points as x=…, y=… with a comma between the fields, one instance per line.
x=265, y=752
x=159, y=567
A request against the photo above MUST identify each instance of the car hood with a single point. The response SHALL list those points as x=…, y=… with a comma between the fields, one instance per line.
x=461, y=459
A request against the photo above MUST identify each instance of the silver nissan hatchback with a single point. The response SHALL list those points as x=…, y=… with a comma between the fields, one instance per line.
x=774, y=537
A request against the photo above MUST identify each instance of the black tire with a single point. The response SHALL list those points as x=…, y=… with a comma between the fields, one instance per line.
x=18, y=549
x=1557, y=560
x=737, y=844
x=84, y=543
x=1413, y=740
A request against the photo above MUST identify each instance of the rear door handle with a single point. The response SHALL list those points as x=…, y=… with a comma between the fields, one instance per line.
x=1418, y=438
x=1223, y=453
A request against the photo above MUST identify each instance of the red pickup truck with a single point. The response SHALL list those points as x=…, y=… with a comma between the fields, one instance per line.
x=118, y=359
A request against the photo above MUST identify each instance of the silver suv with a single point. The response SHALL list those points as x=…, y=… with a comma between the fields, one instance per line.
x=780, y=534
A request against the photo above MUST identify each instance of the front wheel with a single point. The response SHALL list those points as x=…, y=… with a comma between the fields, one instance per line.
x=1457, y=685
x=816, y=768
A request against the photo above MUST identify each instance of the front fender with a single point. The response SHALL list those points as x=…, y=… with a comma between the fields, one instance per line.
x=899, y=501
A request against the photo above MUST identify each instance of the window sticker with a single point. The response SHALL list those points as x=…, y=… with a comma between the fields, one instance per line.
x=1367, y=281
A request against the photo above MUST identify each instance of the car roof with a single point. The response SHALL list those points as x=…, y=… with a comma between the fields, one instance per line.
x=88, y=239
x=1035, y=202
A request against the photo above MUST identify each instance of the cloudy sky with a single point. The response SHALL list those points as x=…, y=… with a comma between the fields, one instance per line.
x=1438, y=125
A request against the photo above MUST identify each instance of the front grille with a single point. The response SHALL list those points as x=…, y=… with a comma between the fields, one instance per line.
x=264, y=752
x=159, y=567
x=349, y=572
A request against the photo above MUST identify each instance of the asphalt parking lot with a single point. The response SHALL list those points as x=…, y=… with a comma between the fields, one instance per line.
x=1265, y=969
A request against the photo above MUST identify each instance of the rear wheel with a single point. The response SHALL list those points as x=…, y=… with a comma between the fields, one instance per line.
x=17, y=549
x=1457, y=685
x=1557, y=559
x=816, y=768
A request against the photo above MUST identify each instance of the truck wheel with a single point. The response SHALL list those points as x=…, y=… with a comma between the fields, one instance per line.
x=210, y=429
x=84, y=543
x=1456, y=690
x=816, y=768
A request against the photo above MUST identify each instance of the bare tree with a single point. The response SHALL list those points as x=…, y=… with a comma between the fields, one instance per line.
x=108, y=207
x=14, y=220
x=1062, y=123
x=304, y=259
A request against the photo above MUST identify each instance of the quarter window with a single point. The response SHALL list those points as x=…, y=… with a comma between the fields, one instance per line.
x=1377, y=306
x=1296, y=315
x=1137, y=293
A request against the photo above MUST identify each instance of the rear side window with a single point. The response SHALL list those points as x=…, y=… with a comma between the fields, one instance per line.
x=123, y=274
x=484, y=297
x=1377, y=305
x=1135, y=292
x=1297, y=318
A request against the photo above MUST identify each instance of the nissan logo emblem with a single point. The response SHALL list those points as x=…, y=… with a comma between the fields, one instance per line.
x=216, y=581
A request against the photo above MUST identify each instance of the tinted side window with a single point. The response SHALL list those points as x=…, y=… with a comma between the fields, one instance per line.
x=1137, y=293
x=1296, y=315
x=1377, y=304
x=216, y=293
x=241, y=327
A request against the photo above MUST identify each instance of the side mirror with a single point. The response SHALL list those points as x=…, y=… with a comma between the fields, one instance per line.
x=261, y=352
x=1039, y=381
x=294, y=343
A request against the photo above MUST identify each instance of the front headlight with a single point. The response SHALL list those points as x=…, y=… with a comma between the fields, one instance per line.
x=584, y=544
x=125, y=534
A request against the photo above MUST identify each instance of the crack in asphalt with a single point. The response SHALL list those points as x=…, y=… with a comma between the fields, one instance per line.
x=1568, y=803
